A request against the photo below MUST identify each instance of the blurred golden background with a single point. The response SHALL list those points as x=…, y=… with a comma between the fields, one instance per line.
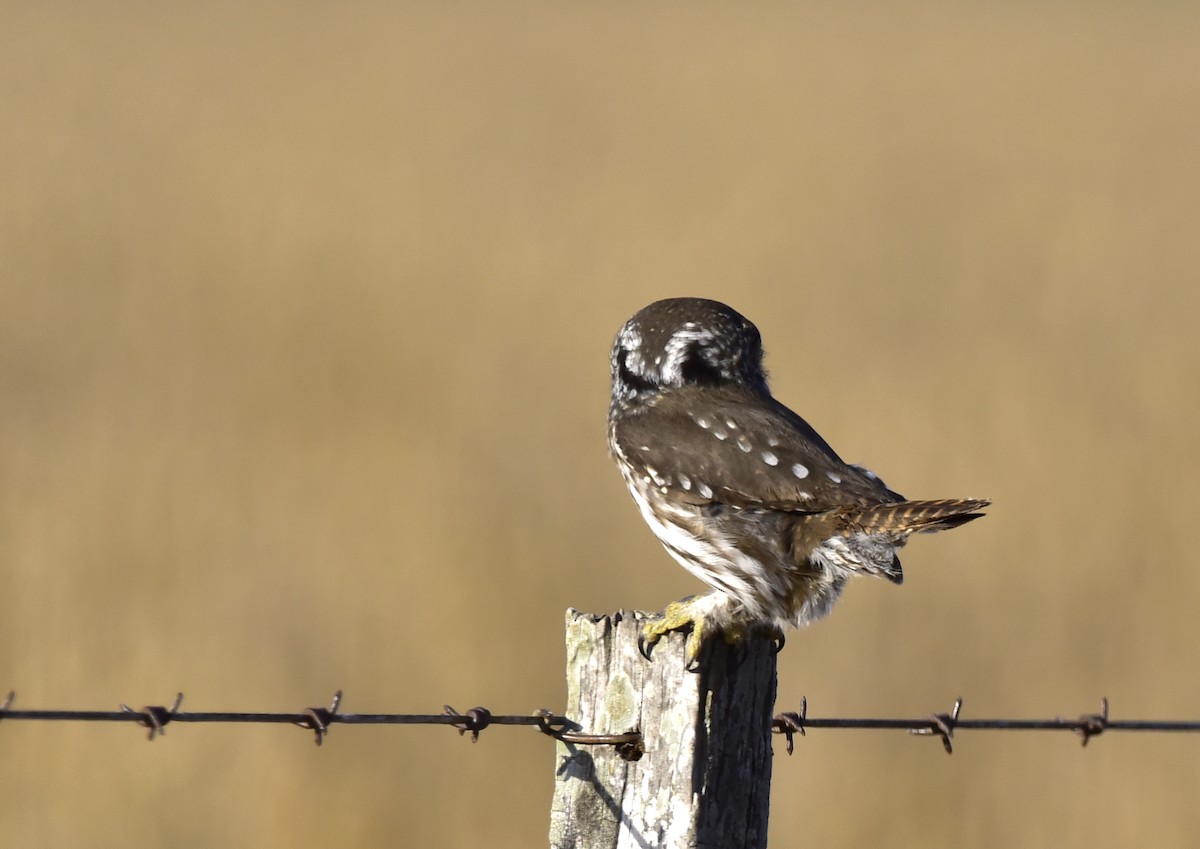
x=305, y=313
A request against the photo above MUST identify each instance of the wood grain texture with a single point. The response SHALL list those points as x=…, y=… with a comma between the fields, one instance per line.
x=705, y=776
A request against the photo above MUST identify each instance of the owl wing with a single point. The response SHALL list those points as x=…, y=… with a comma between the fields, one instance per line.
x=727, y=446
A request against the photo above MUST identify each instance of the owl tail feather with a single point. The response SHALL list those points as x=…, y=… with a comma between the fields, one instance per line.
x=909, y=517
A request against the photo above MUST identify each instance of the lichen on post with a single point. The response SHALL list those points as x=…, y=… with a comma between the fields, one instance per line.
x=703, y=777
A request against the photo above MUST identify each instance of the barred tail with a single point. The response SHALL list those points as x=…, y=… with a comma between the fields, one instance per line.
x=907, y=517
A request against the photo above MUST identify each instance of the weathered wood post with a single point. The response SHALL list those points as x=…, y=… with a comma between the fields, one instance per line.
x=704, y=779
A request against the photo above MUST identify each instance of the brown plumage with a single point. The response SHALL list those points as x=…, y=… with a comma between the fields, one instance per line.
x=916, y=517
x=739, y=489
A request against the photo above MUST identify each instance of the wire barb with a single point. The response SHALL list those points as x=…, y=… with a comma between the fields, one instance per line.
x=1093, y=724
x=318, y=719
x=791, y=723
x=7, y=703
x=474, y=720
x=154, y=717
x=546, y=721
x=942, y=724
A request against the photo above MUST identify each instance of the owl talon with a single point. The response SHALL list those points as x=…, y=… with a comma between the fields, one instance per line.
x=679, y=616
x=691, y=651
x=645, y=645
x=778, y=642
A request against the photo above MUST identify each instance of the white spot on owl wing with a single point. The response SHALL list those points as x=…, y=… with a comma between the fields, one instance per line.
x=702, y=421
x=833, y=477
x=868, y=473
x=800, y=470
x=685, y=482
x=659, y=479
x=770, y=459
x=744, y=443
x=720, y=433
x=772, y=441
x=704, y=489
x=731, y=424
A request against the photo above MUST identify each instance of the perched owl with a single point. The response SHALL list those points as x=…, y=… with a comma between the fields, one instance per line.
x=740, y=490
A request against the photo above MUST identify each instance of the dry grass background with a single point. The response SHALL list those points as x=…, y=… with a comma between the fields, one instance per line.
x=304, y=324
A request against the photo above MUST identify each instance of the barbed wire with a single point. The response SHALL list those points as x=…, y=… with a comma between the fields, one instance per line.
x=628, y=744
x=319, y=719
x=943, y=725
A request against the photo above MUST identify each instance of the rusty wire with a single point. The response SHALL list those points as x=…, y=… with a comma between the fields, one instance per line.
x=316, y=719
x=943, y=725
x=628, y=744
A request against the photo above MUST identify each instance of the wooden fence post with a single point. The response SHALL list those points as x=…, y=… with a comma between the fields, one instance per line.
x=704, y=779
